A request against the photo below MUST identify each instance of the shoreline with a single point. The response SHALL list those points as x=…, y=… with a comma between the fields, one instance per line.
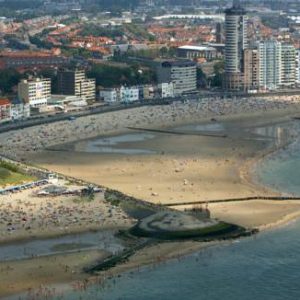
x=190, y=247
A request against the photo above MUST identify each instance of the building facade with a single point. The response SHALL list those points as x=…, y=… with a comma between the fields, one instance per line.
x=30, y=59
x=297, y=79
x=129, y=94
x=20, y=111
x=5, y=110
x=269, y=65
x=194, y=52
x=236, y=43
x=166, y=90
x=75, y=82
x=109, y=95
x=288, y=66
x=35, y=92
x=251, y=69
x=183, y=75
x=146, y=92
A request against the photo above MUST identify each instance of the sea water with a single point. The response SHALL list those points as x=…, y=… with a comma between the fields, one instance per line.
x=266, y=266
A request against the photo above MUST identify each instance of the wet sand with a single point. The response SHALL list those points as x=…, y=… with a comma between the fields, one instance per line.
x=29, y=274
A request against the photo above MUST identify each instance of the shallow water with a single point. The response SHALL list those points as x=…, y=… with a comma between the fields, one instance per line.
x=281, y=170
x=103, y=240
x=115, y=144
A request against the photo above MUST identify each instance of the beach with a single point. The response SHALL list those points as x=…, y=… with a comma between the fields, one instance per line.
x=176, y=168
x=186, y=168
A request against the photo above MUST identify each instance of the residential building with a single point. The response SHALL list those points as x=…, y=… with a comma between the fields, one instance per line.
x=166, y=90
x=195, y=52
x=182, y=73
x=146, y=92
x=75, y=82
x=31, y=59
x=35, y=91
x=5, y=110
x=269, y=64
x=251, y=69
x=19, y=110
x=109, y=95
x=288, y=65
x=129, y=94
x=297, y=67
x=236, y=43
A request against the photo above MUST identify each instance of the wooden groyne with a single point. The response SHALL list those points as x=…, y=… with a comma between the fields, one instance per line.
x=271, y=198
x=178, y=132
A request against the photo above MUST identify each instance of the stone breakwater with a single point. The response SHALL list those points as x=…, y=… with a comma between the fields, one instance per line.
x=16, y=144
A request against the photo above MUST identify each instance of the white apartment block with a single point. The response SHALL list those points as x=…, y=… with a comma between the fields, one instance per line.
x=109, y=95
x=297, y=76
x=35, y=92
x=88, y=89
x=20, y=111
x=288, y=65
x=269, y=65
x=129, y=94
x=182, y=73
x=166, y=90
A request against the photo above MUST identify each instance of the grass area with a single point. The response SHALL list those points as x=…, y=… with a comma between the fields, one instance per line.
x=12, y=175
x=220, y=230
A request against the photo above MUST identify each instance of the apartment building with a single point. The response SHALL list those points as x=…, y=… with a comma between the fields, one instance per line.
x=251, y=69
x=288, y=65
x=75, y=82
x=269, y=64
x=31, y=59
x=5, y=107
x=182, y=73
x=236, y=43
x=35, y=91
x=297, y=67
x=166, y=90
x=129, y=94
x=109, y=95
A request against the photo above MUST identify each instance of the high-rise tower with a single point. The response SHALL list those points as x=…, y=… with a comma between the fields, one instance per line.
x=236, y=43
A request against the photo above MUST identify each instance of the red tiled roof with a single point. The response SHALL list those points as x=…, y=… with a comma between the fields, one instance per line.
x=4, y=102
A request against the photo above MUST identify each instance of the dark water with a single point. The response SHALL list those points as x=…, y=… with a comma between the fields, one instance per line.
x=266, y=266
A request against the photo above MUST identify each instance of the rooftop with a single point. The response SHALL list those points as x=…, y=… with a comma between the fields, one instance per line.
x=4, y=102
x=197, y=48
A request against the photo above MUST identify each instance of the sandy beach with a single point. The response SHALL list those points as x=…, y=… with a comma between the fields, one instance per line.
x=185, y=168
x=179, y=168
x=26, y=216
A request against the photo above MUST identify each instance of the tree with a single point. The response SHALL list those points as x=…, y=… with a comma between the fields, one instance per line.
x=109, y=76
x=8, y=79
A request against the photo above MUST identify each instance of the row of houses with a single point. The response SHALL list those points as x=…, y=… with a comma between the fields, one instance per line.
x=13, y=111
x=126, y=94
